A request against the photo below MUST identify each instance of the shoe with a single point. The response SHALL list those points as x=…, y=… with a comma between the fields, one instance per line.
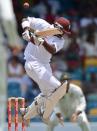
x=23, y=111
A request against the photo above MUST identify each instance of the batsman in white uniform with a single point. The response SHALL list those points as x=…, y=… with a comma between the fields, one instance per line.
x=38, y=54
x=71, y=106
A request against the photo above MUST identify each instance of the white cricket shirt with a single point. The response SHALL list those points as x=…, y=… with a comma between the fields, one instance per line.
x=39, y=53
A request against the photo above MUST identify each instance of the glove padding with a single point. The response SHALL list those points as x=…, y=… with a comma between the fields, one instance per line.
x=26, y=35
x=38, y=40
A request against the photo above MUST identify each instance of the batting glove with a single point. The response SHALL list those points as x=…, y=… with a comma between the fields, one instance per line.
x=26, y=35
x=38, y=40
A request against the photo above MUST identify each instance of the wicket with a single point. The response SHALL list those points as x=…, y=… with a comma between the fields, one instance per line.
x=16, y=106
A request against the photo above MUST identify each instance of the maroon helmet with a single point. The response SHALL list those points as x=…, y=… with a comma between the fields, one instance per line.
x=63, y=24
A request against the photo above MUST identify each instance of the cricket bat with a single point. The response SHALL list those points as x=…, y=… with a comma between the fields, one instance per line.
x=53, y=100
x=47, y=32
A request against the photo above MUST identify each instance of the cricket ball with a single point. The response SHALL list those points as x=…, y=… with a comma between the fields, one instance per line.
x=26, y=5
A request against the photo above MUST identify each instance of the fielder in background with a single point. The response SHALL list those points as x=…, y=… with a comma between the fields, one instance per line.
x=38, y=54
x=71, y=106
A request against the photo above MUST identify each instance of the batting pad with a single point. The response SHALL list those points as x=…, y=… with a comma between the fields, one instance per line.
x=53, y=100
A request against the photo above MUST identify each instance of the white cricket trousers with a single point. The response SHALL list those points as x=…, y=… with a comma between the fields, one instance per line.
x=42, y=75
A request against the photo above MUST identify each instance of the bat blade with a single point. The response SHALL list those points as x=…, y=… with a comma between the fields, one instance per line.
x=48, y=32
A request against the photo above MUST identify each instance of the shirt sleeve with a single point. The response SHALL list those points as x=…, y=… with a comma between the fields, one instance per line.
x=32, y=20
x=35, y=23
x=82, y=104
x=58, y=43
x=77, y=92
x=27, y=22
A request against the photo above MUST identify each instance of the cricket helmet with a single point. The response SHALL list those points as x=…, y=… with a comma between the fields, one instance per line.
x=63, y=24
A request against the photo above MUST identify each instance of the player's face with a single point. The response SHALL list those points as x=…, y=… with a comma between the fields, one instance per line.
x=57, y=25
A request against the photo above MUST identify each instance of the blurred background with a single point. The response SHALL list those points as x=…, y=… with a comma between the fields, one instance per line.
x=78, y=58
